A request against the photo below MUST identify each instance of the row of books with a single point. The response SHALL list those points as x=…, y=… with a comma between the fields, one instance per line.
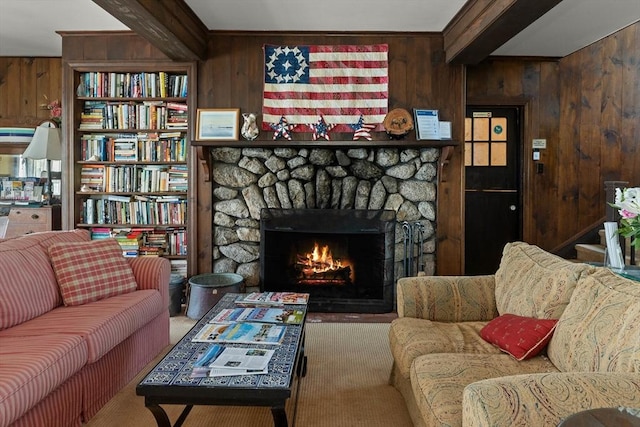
x=132, y=85
x=134, y=178
x=138, y=241
x=255, y=328
x=23, y=189
x=131, y=115
x=147, y=146
x=117, y=209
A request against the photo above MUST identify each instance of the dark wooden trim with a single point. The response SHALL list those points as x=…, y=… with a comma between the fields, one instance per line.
x=269, y=143
x=170, y=26
x=482, y=26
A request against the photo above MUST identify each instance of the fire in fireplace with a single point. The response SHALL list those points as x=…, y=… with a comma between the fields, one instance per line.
x=343, y=258
x=319, y=267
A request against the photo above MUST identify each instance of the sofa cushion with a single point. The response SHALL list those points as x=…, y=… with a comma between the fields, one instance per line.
x=31, y=368
x=410, y=338
x=599, y=331
x=103, y=324
x=534, y=283
x=91, y=271
x=521, y=337
x=29, y=286
x=438, y=380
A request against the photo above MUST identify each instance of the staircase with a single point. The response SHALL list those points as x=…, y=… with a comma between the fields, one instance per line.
x=594, y=252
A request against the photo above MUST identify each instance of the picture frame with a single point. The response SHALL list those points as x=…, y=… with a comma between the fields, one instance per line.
x=427, y=124
x=218, y=124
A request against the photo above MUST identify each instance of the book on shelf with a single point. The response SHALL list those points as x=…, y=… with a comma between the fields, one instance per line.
x=273, y=298
x=259, y=314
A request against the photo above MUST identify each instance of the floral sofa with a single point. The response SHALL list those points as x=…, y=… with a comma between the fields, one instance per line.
x=77, y=322
x=473, y=351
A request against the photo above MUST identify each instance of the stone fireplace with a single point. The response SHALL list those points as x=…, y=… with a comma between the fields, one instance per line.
x=343, y=258
x=247, y=180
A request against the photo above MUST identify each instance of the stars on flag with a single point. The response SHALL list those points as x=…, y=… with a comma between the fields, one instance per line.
x=281, y=129
x=321, y=129
x=362, y=129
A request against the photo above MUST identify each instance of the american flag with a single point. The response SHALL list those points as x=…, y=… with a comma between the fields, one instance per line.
x=339, y=82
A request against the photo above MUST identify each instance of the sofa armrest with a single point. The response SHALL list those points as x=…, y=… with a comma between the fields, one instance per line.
x=447, y=298
x=152, y=273
x=546, y=399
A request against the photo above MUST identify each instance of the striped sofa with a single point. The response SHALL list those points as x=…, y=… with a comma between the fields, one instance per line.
x=449, y=375
x=60, y=364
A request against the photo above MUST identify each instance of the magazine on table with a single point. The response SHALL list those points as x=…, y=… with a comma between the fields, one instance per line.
x=219, y=361
x=201, y=366
x=238, y=359
x=274, y=298
x=252, y=333
x=210, y=332
x=259, y=314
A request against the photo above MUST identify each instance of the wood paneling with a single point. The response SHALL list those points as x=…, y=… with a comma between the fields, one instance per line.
x=587, y=106
x=418, y=78
x=26, y=86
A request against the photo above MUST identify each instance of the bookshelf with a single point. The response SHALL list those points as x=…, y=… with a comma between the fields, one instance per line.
x=129, y=156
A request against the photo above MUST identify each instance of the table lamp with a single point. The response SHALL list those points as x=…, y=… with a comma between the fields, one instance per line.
x=45, y=144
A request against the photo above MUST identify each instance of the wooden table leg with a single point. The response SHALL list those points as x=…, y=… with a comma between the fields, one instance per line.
x=279, y=416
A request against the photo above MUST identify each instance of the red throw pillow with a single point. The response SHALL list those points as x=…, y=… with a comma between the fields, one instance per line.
x=521, y=337
x=90, y=271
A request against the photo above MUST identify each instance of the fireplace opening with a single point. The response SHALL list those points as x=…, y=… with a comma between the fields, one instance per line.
x=343, y=258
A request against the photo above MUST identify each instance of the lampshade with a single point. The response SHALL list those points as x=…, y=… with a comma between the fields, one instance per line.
x=45, y=143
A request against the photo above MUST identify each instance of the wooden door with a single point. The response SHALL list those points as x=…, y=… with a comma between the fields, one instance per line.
x=492, y=185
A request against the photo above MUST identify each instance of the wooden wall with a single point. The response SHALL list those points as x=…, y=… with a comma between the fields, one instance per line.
x=587, y=106
x=233, y=76
x=26, y=84
x=418, y=78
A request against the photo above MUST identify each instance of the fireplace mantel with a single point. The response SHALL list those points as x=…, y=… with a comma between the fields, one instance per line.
x=446, y=144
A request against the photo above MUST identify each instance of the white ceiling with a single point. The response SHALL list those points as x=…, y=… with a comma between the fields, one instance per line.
x=28, y=27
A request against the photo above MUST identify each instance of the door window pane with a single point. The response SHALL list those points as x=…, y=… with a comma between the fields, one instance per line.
x=499, y=154
x=481, y=129
x=499, y=129
x=481, y=154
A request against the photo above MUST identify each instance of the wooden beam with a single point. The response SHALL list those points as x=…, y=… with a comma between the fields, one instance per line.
x=169, y=25
x=482, y=26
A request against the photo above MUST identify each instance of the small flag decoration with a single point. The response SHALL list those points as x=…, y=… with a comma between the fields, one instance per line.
x=321, y=129
x=362, y=129
x=282, y=129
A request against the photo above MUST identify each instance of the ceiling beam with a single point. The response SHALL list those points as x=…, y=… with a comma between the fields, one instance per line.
x=482, y=26
x=169, y=25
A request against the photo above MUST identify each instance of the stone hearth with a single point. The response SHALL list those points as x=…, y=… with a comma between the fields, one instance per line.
x=245, y=180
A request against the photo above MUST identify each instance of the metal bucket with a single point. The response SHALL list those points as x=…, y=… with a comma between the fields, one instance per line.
x=205, y=290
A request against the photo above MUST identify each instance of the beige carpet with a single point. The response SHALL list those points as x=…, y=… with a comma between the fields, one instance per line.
x=346, y=386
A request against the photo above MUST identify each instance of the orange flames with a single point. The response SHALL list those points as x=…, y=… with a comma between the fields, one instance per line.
x=321, y=260
x=320, y=267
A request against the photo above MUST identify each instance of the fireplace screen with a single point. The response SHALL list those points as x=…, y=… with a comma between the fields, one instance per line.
x=342, y=258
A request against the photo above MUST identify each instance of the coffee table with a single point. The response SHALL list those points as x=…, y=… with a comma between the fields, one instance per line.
x=170, y=382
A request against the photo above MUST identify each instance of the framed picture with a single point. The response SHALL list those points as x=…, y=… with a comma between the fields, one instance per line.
x=218, y=124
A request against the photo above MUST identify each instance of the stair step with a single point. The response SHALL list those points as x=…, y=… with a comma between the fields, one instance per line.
x=590, y=252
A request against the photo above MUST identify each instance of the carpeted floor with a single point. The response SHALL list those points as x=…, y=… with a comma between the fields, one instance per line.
x=346, y=386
